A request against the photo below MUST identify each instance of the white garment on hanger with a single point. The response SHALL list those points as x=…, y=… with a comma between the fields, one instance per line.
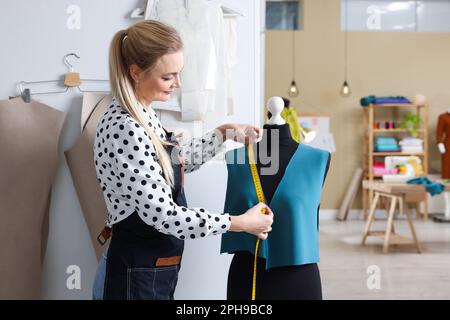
x=224, y=33
x=214, y=15
x=150, y=10
x=207, y=75
x=230, y=35
x=198, y=76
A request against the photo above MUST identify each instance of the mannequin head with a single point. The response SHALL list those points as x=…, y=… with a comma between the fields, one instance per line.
x=275, y=105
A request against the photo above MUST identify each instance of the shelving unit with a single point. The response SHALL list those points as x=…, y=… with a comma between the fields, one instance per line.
x=369, y=155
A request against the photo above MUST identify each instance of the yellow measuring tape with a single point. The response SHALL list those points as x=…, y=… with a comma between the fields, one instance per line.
x=260, y=195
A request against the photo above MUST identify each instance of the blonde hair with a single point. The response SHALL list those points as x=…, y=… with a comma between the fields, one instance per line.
x=141, y=44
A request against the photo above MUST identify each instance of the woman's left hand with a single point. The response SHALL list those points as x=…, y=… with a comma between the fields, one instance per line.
x=243, y=133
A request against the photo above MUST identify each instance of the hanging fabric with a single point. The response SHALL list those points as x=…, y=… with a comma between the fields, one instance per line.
x=29, y=136
x=230, y=31
x=189, y=18
x=80, y=160
x=289, y=114
x=206, y=77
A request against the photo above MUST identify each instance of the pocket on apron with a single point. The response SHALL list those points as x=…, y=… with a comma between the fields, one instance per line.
x=151, y=283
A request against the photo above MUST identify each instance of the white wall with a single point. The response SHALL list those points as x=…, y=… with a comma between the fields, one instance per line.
x=34, y=40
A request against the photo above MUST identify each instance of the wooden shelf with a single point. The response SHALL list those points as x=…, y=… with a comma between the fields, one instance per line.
x=393, y=112
x=376, y=154
x=390, y=105
x=394, y=130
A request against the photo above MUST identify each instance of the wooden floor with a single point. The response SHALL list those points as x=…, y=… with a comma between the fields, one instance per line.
x=404, y=274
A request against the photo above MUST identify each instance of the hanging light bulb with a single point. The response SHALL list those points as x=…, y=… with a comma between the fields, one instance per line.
x=293, y=90
x=345, y=90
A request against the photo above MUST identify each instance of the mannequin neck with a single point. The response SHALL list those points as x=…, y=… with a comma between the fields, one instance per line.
x=274, y=133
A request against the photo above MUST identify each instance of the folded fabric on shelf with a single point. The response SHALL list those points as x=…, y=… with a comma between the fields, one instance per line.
x=386, y=140
x=431, y=186
x=409, y=141
x=392, y=100
x=410, y=144
x=380, y=100
x=386, y=147
x=412, y=149
x=386, y=144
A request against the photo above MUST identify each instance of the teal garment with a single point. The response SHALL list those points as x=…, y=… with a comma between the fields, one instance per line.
x=432, y=187
x=294, y=237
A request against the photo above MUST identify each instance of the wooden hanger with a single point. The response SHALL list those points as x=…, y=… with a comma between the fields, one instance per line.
x=71, y=79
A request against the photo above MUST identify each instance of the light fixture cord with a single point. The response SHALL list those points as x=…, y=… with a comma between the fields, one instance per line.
x=293, y=53
x=345, y=40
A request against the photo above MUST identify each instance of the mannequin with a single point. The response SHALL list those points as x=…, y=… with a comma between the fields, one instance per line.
x=287, y=281
x=443, y=140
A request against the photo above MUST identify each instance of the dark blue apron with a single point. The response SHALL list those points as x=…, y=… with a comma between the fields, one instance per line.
x=143, y=263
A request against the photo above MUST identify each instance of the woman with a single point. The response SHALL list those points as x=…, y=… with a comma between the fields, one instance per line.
x=139, y=171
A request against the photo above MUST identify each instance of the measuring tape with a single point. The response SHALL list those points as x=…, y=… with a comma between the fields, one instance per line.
x=260, y=195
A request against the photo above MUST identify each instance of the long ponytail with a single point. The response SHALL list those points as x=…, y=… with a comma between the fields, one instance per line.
x=142, y=44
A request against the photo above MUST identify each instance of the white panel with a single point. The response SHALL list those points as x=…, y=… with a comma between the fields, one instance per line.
x=434, y=16
x=379, y=15
x=384, y=15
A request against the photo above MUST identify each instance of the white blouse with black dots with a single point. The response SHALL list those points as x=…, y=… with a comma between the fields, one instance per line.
x=132, y=179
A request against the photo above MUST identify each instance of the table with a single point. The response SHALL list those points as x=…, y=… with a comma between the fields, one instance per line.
x=395, y=193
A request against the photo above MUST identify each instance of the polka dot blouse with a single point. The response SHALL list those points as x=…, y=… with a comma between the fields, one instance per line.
x=132, y=179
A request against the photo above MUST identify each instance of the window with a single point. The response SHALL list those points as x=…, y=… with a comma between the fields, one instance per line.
x=283, y=15
x=398, y=16
x=434, y=16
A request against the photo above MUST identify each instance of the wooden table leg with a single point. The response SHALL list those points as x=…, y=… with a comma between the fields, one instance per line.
x=371, y=217
x=371, y=197
x=413, y=231
x=425, y=209
x=364, y=203
x=417, y=209
x=389, y=224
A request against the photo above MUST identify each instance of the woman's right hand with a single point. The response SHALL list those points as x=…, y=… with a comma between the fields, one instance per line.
x=253, y=221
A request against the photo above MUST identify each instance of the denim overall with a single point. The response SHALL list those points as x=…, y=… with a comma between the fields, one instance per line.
x=142, y=263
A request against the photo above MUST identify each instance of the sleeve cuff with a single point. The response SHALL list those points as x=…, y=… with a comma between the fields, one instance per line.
x=220, y=223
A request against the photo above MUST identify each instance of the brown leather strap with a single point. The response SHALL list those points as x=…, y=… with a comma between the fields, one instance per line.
x=180, y=157
x=168, y=261
x=104, y=235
